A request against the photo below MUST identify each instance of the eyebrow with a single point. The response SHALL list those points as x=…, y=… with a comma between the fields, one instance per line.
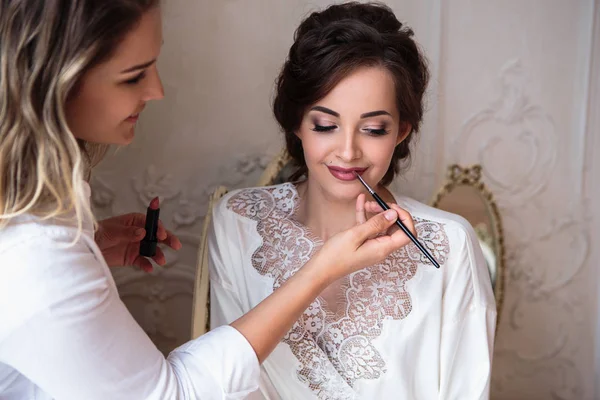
x=362, y=116
x=374, y=114
x=139, y=66
x=325, y=110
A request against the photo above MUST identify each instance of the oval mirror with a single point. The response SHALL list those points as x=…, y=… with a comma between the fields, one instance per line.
x=464, y=194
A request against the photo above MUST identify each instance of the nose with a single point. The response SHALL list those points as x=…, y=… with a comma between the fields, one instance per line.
x=154, y=89
x=349, y=149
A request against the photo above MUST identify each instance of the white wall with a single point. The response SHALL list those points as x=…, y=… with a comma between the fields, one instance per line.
x=515, y=87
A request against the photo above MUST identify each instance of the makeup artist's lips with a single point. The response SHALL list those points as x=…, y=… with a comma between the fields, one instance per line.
x=133, y=118
x=345, y=174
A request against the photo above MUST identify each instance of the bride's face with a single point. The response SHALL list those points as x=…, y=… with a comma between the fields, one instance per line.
x=354, y=128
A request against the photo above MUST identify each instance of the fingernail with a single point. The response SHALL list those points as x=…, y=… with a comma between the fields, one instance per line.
x=139, y=231
x=390, y=215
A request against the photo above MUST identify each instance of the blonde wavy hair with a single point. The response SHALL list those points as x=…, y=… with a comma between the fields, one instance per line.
x=45, y=48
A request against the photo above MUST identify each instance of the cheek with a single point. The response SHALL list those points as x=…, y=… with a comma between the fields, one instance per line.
x=98, y=109
x=122, y=103
x=379, y=152
x=315, y=147
x=81, y=113
x=113, y=105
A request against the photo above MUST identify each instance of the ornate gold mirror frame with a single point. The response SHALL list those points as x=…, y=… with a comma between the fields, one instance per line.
x=491, y=235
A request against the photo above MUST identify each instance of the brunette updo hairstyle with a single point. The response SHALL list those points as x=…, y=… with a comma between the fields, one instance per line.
x=331, y=44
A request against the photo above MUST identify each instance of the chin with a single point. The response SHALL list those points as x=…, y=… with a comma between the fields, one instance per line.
x=342, y=191
x=346, y=194
x=128, y=137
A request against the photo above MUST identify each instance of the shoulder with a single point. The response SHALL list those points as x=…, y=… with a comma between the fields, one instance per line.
x=423, y=212
x=30, y=231
x=451, y=228
x=257, y=203
x=453, y=236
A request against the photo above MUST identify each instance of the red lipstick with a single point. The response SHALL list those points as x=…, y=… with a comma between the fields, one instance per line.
x=148, y=243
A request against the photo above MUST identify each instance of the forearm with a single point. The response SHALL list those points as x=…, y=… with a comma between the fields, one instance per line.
x=265, y=325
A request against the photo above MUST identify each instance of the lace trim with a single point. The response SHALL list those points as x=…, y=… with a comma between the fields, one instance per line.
x=334, y=347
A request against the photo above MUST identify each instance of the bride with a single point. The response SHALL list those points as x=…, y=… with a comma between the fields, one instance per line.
x=349, y=98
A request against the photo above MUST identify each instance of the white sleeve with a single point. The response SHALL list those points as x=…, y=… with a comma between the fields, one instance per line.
x=65, y=328
x=225, y=306
x=469, y=321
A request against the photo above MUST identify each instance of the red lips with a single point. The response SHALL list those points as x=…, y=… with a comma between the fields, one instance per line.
x=345, y=174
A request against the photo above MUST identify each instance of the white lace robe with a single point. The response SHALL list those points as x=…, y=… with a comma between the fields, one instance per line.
x=401, y=329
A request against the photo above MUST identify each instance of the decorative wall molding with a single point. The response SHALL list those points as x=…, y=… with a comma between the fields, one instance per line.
x=511, y=124
x=539, y=272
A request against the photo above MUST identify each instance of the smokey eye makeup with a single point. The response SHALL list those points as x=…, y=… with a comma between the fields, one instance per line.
x=377, y=130
x=321, y=125
x=374, y=123
x=323, y=128
x=371, y=130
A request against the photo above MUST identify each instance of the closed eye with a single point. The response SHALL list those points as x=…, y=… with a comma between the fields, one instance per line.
x=321, y=128
x=136, y=79
x=377, y=132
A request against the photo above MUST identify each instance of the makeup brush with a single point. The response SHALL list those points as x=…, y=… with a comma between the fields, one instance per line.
x=398, y=222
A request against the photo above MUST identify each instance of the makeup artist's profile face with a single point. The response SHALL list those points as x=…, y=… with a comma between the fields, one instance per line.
x=355, y=127
x=111, y=95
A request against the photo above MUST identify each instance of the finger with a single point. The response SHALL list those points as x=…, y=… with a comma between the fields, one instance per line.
x=142, y=263
x=361, y=216
x=115, y=234
x=378, y=249
x=373, y=207
x=159, y=257
x=137, y=219
x=167, y=237
x=382, y=246
x=161, y=232
x=379, y=223
x=172, y=241
x=405, y=218
x=137, y=234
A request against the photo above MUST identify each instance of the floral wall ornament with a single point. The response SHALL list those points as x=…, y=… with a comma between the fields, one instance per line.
x=102, y=195
x=511, y=124
x=155, y=183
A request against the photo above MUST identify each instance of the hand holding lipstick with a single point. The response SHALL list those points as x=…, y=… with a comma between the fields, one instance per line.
x=119, y=240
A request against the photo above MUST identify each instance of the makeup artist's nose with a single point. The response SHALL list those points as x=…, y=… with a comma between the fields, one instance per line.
x=154, y=88
x=349, y=148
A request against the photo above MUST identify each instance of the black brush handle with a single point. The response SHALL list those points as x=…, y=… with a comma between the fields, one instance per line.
x=406, y=230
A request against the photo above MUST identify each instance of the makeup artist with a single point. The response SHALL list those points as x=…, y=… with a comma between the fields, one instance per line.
x=74, y=77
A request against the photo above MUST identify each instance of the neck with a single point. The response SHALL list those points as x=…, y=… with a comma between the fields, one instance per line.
x=326, y=215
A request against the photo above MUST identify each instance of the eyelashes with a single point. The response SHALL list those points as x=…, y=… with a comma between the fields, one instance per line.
x=323, y=128
x=136, y=79
x=370, y=131
x=377, y=132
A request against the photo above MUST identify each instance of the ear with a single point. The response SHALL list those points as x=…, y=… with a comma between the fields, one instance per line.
x=298, y=135
x=403, y=132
